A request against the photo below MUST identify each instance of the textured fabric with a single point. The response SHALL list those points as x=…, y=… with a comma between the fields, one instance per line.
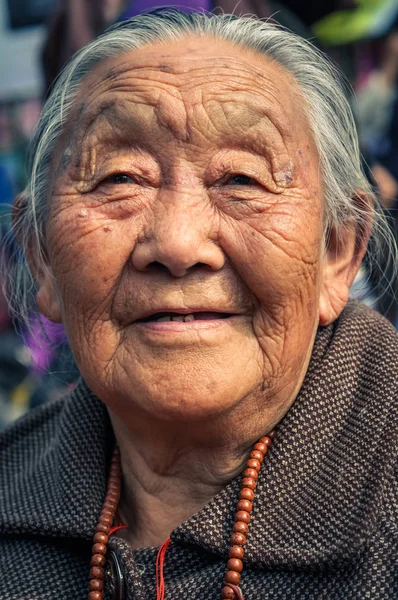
x=324, y=521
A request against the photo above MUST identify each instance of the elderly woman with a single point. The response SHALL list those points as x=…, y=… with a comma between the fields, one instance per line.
x=195, y=216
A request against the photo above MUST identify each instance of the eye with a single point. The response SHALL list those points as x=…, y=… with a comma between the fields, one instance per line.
x=119, y=178
x=240, y=179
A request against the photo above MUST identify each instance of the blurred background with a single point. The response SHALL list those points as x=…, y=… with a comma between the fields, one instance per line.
x=37, y=37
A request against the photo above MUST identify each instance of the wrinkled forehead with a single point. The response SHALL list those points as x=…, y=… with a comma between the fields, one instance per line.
x=192, y=85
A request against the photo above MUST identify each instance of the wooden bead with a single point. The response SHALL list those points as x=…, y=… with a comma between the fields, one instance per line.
x=96, y=585
x=235, y=564
x=113, y=487
x=253, y=463
x=98, y=560
x=232, y=577
x=242, y=515
x=241, y=527
x=263, y=448
x=106, y=512
x=252, y=473
x=114, y=496
x=102, y=538
x=266, y=440
x=236, y=552
x=227, y=593
x=96, y=573
x=246, y=494
x=238, y=539
x=256, y=455
x=99, y=549
x=244, y=505
x=106, y=519
x=249, y=482
x=95, y=596
x=103, y=527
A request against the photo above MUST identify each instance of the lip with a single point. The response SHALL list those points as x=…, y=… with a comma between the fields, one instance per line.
x=179, y=328
x=182, y=326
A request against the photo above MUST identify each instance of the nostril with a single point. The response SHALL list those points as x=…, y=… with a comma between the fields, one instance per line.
x=157, y=266
x=178, y=271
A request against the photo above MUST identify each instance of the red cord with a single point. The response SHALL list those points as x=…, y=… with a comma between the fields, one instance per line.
x=159, y=569
x=237, y=591
x=113, y=529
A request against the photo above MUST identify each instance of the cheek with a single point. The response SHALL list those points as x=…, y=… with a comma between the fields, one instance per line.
x=278, y=256
x=89, y=253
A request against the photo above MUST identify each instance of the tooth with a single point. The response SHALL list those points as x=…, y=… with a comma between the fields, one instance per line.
x=189, y=318
x=178, y=318
x=163, y=319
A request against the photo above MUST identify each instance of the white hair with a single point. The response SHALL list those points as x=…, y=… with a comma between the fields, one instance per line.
x=324, y=101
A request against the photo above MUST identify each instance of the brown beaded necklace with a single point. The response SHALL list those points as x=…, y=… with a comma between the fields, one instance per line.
x=104, y=529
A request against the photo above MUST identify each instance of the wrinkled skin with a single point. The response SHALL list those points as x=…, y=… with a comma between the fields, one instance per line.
x=183, y=228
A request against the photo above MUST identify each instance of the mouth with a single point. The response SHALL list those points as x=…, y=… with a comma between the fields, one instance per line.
x=165, y=317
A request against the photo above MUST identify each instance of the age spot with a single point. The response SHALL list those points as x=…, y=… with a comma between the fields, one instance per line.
x=166, y=68
x=107, y=228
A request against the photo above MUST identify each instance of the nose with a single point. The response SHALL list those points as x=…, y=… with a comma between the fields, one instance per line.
x=180, y=237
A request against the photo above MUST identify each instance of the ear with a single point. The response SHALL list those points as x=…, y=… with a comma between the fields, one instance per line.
x=47, y=297
x=345, y=249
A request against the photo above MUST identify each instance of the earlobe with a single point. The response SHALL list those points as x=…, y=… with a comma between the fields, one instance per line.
x=345, y=249
x=47, y=299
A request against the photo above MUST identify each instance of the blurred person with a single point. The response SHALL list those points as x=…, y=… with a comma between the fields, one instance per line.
x=195, y=216
x=76, y=22
x=376, y=98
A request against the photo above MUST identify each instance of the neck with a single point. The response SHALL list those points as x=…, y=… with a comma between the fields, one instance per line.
x=169, y=476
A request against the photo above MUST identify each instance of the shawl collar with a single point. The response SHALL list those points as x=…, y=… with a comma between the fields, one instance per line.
x=53, y=468
x=323, y=487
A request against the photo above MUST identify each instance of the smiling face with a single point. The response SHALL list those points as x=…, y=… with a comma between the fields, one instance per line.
x=187, y=184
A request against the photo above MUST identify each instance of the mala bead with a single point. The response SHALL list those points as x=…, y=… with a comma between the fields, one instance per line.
x=96, y=585
x=253, y=463
x=106, y=519
x=238, y=539
x=232, y=577
x=99, y=549
x=252, y=473
x=96, y=573
x=98, y=560
x=103, y=527
x=260, y=447
x=101, y=536
x=244, y=507
x=267, y=440
x=227, y=593
x=246, y=494
x=241, y=527
x=235, y=564
x=242, y=515
x=236, y=552
x=249, y=482
x=257, y=456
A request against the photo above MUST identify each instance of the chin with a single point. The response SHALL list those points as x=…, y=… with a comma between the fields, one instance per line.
x=183, y=399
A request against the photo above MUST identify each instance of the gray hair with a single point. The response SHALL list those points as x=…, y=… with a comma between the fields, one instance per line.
x=324, y=101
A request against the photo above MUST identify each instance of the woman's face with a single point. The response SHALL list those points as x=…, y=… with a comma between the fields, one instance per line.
x=187, y=184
